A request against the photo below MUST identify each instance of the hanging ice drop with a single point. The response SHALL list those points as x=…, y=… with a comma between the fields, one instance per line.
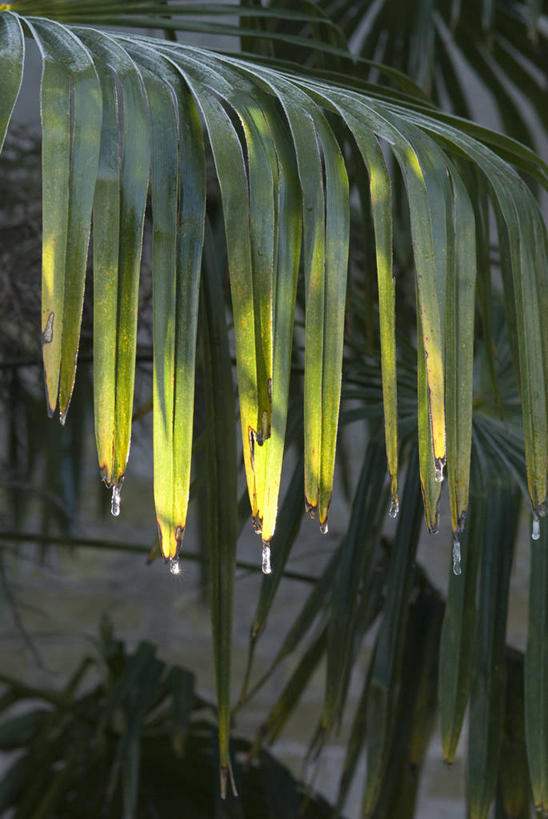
x=457, y=569
x=266, y=567
x=115, y=502
x=394, y=510
x=535, y=533
x=174, y=565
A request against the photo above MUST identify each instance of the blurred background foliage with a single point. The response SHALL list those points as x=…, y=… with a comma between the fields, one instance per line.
x=129, y=735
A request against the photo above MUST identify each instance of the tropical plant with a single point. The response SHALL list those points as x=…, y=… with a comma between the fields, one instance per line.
x=138, y=742
x=336, y=203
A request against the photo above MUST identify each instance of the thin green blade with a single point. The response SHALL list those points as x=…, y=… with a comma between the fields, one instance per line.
x=487, y=698
x=457, y=637
x=222, y=520
x=536, y=671
x=459, y=354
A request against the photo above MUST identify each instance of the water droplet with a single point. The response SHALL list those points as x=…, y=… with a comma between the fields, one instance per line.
x=394, y=510
x=457, y=569
x=115, y=502
x=535, y=534
x=438, y=475
x=324, y=527
x=174, y=565
x=266, y=567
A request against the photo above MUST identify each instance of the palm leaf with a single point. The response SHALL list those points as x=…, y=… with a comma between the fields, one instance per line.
x=70, y=156
x=221, y=491
x=487, y=698
x=12, y=54
x=118, y=221
x=536, y=660
x=385, y=675
x=513, y=792
x=457, y=637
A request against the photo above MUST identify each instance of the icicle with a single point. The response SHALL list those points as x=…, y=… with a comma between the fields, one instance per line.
x=394, y=510
x=457, y=569
x=535, y=533
x=115, y=502
x=174, y=565
x=438, y=475
x=266, y=567
x=324, y=527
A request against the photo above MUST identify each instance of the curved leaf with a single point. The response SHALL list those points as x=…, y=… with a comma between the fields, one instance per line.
x=118, y=220
x=71, y=109
x=12, y=56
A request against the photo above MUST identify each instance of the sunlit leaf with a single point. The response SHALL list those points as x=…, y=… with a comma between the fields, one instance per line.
x=71, y=109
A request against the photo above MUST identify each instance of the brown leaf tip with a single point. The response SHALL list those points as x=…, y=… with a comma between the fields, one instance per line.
x=311, y=508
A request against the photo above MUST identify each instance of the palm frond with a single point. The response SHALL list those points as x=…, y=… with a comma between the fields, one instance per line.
x=127, y=115
x=438, y=44
x=280, y=115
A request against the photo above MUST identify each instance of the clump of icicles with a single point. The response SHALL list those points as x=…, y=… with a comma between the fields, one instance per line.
x=457, y=568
